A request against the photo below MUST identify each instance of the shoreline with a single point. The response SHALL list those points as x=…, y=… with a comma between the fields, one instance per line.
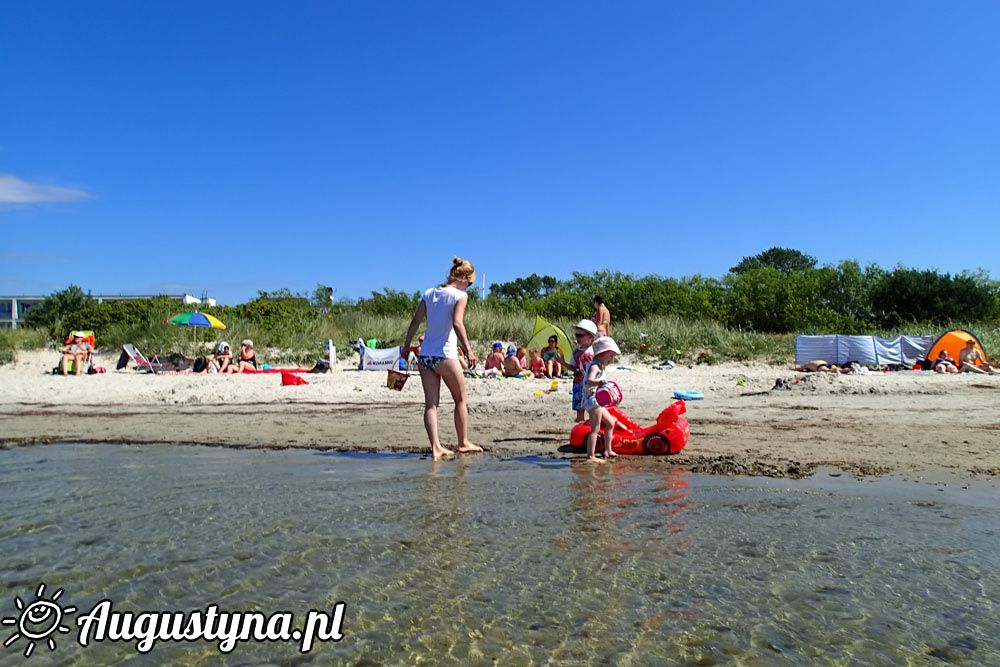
x=755, y=419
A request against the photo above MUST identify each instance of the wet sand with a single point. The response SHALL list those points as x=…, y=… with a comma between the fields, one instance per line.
x=754, y=419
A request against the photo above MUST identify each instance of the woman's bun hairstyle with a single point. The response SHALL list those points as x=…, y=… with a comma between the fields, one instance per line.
x=462, y=270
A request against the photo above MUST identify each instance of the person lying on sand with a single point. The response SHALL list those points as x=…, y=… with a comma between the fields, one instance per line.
x=820, y=366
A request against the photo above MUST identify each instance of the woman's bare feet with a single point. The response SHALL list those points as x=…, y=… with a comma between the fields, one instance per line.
x=441, y=452
x=610, y=454
x=594, y=459
x=469, y=448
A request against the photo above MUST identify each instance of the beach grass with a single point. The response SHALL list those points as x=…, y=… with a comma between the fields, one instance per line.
x=302, y=340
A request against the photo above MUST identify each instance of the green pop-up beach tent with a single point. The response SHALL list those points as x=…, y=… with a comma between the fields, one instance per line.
x=540, y=337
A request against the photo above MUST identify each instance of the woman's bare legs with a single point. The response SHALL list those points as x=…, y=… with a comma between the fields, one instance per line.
x=450, y=370
x=432, y=396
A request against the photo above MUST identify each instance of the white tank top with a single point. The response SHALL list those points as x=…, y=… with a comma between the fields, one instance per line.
x=440, y=340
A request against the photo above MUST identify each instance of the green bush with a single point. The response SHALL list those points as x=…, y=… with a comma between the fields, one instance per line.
x=751, y=313
x=57, y=310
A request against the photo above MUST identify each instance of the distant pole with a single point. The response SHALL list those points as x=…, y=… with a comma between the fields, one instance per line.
x=483, y=287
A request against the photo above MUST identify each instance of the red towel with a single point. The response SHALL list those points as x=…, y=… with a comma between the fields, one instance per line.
x=291, y=379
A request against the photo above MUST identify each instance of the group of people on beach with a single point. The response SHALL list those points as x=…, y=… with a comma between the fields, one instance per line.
x=223, y=361
x=970, y=360
x=444, y=352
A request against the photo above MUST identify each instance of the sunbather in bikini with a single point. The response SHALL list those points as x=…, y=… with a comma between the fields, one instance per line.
x=820, y=366
x=944, y=363
x=247, y=362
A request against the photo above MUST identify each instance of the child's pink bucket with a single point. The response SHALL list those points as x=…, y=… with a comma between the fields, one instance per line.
x=608, y=394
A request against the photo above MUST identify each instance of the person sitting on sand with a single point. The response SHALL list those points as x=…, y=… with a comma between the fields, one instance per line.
x=820, y=366
x=551, y=356
x=511, y=364
x=76, y=352
x=944, y=363
x=522, y=358
x=495, y=360
x=247, y=363
x=971, y=360
x=221, y=360
x=535, y=363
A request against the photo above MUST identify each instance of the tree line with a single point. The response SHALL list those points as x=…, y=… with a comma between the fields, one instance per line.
x=777, y=291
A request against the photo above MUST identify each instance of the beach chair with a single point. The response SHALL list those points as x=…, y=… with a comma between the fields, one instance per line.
x=131, y=353
x=88, y=337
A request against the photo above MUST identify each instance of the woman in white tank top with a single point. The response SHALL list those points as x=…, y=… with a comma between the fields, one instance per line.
x=444, y=308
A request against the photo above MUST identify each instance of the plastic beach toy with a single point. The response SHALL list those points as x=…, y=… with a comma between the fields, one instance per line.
x=396, y=380
x=608, y=394
x=689, y=395
x=668, y=435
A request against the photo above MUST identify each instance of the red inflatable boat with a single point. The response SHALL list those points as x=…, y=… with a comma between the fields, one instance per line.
x=667, y=436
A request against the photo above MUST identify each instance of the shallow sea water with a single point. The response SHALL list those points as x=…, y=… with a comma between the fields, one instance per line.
x=483, y=561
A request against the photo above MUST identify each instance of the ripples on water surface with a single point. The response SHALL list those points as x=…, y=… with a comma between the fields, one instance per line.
x=482, y=561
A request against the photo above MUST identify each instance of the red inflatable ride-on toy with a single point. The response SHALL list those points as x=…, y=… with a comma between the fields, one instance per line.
x=667, y=436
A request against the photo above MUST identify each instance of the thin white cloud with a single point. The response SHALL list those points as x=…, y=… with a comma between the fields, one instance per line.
x=16, y=191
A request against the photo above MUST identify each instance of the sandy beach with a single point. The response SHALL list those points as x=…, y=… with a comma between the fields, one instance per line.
x=754, y=419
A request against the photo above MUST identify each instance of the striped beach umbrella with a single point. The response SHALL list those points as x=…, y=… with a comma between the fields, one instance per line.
x=196, y=319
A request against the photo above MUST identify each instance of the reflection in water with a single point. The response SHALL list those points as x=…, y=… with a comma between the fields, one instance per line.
x=479, y=561
x=631, y=524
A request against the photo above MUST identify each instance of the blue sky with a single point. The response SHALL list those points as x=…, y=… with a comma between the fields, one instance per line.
x=231, y=147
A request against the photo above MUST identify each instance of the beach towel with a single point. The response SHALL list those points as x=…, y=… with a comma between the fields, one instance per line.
x=290, y=379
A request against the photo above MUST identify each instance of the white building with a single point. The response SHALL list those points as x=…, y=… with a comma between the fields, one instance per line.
x=14, y=309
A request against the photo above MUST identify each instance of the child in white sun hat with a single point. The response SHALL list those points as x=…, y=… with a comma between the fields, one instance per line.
x=604, y=350
x=585, y=332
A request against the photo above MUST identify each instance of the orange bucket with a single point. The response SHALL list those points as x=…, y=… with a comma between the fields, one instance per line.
x=396, y=380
